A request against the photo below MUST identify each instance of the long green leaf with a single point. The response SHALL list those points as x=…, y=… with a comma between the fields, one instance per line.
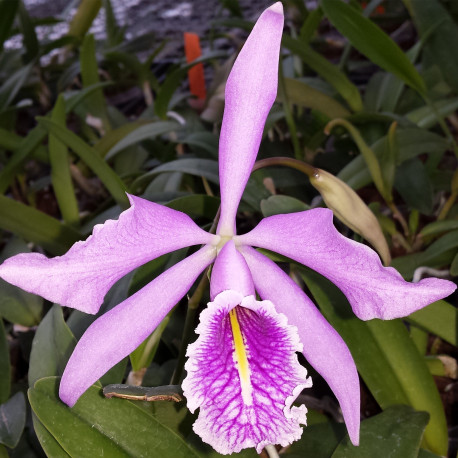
x=92, y=158
x=28, y=144
x=439, y=318
x=110, y=427
x=141, y=133
x=371, y=41
x=8, y=9
x=387, y=359
x=30, y=39
x=60, y=170
x=439, y=30
x=327, y=71
x=302, y=94
x=36, y=226
x=13, y=85
x=12, y=420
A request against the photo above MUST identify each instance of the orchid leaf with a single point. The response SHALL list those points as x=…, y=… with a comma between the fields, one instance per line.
x=12, y=85
x=196, y=205
x=98, y=420
x=36, y=226
x=83, y=18
x=52, y=346
x=47, y=440
x=396, y=433
x=5, y=368
x=440, y=318
x=300, y=93
x=371, y=41
x=28, y=144
x=143, y=132
x=386, y=358
x=60, y=170
x=8, y=9
x=438, y=29
x=427, y=116
x=12, y=420
x=96, y=105
x=276, y=205
x=437, y=227
x=92, y=158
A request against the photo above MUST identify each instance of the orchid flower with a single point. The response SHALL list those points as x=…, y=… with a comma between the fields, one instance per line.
x=243, y=372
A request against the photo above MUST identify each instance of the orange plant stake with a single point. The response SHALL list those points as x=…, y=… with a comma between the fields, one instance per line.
x=196, y=73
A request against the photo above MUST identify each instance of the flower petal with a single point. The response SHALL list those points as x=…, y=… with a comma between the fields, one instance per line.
x=230, y=271
x=81, y=278
x=250, y=92
x=373, y=291
x=122, y=329
x=324, y=349
x=235, y=414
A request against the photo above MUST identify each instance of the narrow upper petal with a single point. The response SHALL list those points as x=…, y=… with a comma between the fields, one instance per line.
x=373, y=291
x=81, y=278
x=121, y=330
x=324, y=349
x=250, y=92
x=230, y=271
x=244, y=375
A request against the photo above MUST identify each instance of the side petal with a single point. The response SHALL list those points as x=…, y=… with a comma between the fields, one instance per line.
x=251, y=406
x=230, y=271
x=121, y=330
x=324, y=349
x=373, y=291
x=250, y=92
x=81, y=278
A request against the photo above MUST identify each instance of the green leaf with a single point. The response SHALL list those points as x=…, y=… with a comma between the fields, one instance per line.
x=5, y=368
x=438, y=30
x=34, y=138
x=276, y=205
x=8, y=9
x=30, y=39
x=207, y=168
x=92, y=158
x=60, y=169
x=51, y=447
x=196, y=205
x=373, y=42
x=414, y=185
x=386, y=358
x=110, y=427
x=12, y=86
x=143, y=132
x=12, y=420
x=83, y=18
x=427, y=116
x=396, y=433
x=300, y=93
x=438, y=227
x=96, y=105
x=440, y=318
x=51, y=347
x=36, y=226
x=326, y=70
x=16, y=305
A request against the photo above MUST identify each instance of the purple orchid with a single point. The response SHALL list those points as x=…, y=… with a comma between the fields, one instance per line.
x=243, y=372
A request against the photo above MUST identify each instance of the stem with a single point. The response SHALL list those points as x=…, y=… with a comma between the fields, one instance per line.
x=303, y=167
x=398, y=215
x=447, y=206
x=271, y=451
x=288, y=114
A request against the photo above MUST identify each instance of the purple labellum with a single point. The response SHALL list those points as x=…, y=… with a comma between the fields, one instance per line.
x=244, y=375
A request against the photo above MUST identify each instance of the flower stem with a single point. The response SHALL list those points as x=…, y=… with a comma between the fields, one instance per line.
x=271, y=451
x=303, y=167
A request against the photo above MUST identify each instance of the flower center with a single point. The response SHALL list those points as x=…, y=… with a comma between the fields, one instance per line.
x=241, y=358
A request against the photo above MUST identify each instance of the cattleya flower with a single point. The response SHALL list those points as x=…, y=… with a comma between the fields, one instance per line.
x=243, y=372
